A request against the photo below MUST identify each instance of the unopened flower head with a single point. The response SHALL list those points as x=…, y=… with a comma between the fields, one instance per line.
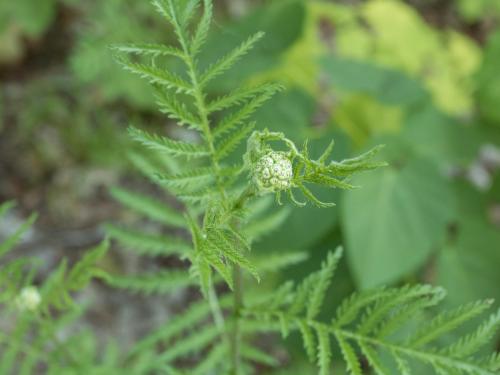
x=28, y=299
x=273, y=172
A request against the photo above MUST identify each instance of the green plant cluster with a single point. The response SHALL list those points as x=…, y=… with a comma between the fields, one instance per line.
x=38, y=311
x=220, y=243
x=428, y=217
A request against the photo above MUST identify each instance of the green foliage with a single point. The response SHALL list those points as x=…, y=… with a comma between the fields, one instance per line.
x=384, y=254
x=377, y=322
x=386, y=76
x=149, y=207
x=488, y=92
x=104, y=24
x=218, y=244
x=32, y=340
x=22, y=19
x=223, y=233
x=305, y=170
x=473, y=11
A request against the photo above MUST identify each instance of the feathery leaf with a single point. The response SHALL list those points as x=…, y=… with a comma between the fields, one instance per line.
x=201, y=33
x=446, y=322
x=14, y=239
x=308, y=340
x=350, y=357
x=229, y=60
x=176, y=110
x=242, y=95
x=148, y=49
x=229, y=144
x=149, y=207
x=192, y=178
x=235, y=119
x=228, y=247
x=324, y=350
x=157, y=282
x=323, y=282
x=156, y=75
x=167, y=145
x=147, y=243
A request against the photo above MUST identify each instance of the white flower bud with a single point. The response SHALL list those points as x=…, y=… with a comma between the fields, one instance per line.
x=273, y=172
x=28, y=299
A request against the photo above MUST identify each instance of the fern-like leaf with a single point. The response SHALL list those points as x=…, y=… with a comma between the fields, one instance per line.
x=148, y=49
x=148, y=244
x=196, y=313
x=176, y=110
x=229, y=144
x=9, y=244
x=86, y=268
x=310, y=196
x=156, y=75
x=230, y=248
x=256, y=355
x=324, y=349
x=322, y=283
x=373, y=358
x=229, y=60
x=156, y=282
x=350, y=356
x=243, y=95
x=215, y=359
x=394, y=300
x=235, y=119
x=149, y=207
x=446, y=322
x=201, y=33
x=188, y=12
x=308, y=340
x=474, y=341
x=383, y=312
x=194, y=343
x=167, y=145
x=193, y=179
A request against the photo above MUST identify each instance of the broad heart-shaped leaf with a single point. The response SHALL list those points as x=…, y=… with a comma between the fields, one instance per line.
x=386, y=85
x=394, y=221
x=488, y=93
x=468, y=266
x=440, y=137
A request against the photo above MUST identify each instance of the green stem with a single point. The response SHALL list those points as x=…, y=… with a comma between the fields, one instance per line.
x=216, y=309
x=235, y=339
x=205, y=123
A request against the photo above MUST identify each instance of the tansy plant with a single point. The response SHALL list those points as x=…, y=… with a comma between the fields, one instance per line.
x=379, y=328
x=34, y=311
x=387, y=329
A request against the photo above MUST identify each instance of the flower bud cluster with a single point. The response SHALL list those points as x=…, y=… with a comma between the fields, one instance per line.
x=28, y=299
x=273, y=172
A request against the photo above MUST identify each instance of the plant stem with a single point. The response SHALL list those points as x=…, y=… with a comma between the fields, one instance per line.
x=215, y=308
x=236, y=332
x=234, y=337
